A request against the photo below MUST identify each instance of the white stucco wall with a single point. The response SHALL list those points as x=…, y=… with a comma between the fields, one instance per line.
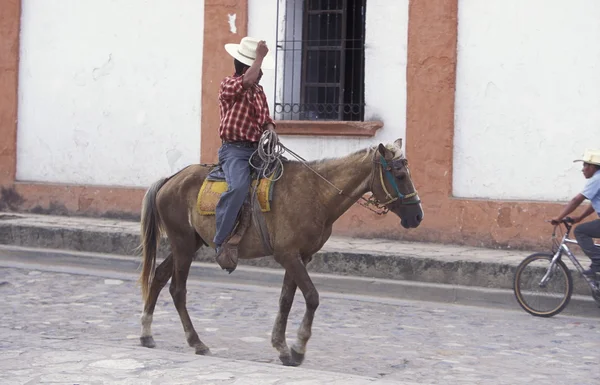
x=385, y=74
x=527, y=97
x=109, y=91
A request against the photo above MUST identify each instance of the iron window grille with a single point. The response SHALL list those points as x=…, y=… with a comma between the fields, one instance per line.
x=319, y=73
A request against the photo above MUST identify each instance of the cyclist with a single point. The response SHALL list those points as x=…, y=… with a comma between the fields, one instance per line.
x=584, y=233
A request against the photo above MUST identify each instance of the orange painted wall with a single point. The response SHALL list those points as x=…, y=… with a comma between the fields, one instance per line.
x=10, y=13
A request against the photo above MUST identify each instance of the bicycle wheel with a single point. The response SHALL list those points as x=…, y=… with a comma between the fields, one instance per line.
x=542, y=299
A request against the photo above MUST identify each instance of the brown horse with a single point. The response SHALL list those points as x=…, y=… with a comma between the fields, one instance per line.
x=306, y=203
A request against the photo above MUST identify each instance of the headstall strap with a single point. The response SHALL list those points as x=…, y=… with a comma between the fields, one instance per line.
x=385, y=168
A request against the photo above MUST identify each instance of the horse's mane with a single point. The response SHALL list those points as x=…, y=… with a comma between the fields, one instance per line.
x=393, y=147
x=364, y=153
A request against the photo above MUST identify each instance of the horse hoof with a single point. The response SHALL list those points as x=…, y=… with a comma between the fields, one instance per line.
x=148, y=342
x=297, y=357
x=203, y=350
x=286, y=360
x=293, y=359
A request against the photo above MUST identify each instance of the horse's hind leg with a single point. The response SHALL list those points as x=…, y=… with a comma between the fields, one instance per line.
x=184, y=246
x=161, y=277
x=285, y=304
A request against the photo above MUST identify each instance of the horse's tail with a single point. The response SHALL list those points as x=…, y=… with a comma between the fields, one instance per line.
x=150, y=236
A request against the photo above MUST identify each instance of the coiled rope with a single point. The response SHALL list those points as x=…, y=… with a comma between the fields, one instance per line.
x=269, y=151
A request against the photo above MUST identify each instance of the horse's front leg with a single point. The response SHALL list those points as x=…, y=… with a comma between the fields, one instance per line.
x=297, y=270
x=285, y=304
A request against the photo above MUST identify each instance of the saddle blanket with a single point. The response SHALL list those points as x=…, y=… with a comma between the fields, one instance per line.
x=211, y=191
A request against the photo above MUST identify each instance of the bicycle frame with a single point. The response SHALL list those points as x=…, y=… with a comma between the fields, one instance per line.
x=564, y=248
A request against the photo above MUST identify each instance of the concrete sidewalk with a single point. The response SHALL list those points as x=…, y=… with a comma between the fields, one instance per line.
x=447, y=273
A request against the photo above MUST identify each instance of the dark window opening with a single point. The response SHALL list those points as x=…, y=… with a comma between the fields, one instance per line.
x=320, y=67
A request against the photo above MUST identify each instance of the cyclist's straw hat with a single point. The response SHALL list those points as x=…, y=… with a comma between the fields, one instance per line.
x=591, y=157
x=245, y=52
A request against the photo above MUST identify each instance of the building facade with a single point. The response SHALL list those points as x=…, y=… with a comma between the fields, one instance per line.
x=493, y=100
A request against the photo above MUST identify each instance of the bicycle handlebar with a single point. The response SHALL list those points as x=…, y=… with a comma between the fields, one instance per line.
x=567, y=221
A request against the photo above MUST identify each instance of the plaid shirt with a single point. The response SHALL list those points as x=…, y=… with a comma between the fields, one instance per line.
x=244, y=112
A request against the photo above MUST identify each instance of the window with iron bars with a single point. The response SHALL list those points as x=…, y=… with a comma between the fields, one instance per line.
x=319, y=73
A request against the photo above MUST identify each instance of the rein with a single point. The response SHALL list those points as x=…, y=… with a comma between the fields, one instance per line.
x=371, y=201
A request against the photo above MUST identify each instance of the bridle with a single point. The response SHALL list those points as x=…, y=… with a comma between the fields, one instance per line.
x=386, y=169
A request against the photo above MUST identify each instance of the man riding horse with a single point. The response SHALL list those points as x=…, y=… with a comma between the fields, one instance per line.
x=244, y=113
x=299, y=221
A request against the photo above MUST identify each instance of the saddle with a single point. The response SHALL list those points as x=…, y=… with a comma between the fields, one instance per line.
x=260, y=197
x=214, y=185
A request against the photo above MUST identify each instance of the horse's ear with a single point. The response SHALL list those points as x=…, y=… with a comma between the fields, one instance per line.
x=382, y=149
x=398, y=143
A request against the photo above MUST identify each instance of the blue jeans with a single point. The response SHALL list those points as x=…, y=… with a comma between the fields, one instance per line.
x=234, y=161
x=585, y=234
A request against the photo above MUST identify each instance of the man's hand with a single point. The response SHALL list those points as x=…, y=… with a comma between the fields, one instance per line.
x=558, y=220
x=261, y=49
x=253, y=74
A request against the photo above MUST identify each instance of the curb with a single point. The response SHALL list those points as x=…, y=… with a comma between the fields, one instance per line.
x=360, y=264
x=485, y=273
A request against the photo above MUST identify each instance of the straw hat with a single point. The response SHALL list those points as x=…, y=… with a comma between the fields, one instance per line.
x=591, y=157
x=245, y=52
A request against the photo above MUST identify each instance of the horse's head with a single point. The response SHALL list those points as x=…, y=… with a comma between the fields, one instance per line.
x=392, y=186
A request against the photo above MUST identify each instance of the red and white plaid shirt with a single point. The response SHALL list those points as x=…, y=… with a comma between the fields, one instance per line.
x=244, y=112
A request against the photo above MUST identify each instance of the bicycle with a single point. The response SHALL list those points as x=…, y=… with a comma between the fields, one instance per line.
x=543, y=284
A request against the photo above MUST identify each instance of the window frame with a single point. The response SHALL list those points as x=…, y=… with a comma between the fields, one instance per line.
x=340, y=127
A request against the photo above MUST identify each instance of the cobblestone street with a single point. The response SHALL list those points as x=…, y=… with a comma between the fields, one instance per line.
x=420, y=342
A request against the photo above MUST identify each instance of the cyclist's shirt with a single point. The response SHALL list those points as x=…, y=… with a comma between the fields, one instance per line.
x=592, y=191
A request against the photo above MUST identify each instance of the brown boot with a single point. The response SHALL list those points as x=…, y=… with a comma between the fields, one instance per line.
x=227, y=254
x=227, y=257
